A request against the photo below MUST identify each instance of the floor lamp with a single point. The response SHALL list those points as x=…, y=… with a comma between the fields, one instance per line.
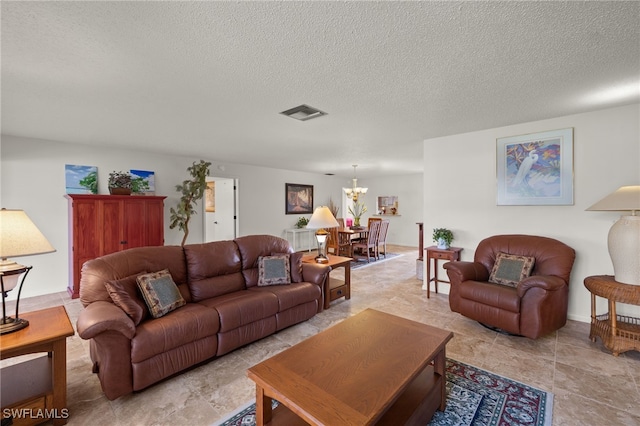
x=624, y=235
x=322, y=218
x=18, y=237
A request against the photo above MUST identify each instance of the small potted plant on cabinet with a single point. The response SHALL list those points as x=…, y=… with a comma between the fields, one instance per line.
x=443, y=237
x=119, y=183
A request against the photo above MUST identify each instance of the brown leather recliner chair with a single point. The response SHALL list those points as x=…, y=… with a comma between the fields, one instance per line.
x=535, y=307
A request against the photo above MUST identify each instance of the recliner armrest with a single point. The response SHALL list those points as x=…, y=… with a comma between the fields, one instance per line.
x=102, y=316
x=315, y=273
x=460, y=271
x=545, y=282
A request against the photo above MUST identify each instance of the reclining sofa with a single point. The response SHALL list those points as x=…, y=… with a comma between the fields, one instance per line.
x=224, y=310
x=534, y=305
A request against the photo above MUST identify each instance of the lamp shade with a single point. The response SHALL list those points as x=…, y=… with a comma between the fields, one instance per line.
x=19, y=236
x=625, y=198
x=322, y=218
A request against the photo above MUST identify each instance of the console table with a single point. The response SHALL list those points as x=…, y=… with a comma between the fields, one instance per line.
x=294, y=241
x=38, y=385
x=619, y=333
x=433, y=252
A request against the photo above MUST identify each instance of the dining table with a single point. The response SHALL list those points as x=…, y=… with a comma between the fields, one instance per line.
x=354, y=232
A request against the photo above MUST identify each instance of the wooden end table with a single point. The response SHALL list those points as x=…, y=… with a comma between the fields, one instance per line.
x=619, y=333
x=433, y=252
x=372, y=368
x=46, y=377
x=334, y=288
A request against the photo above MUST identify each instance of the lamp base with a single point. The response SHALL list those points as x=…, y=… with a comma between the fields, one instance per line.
x=9, y=325
x=624, y=249
x=322, y=259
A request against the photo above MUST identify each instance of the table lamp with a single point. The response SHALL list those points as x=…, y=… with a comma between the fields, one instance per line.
x=18, y=237
x=624, y=235
x=322, y=218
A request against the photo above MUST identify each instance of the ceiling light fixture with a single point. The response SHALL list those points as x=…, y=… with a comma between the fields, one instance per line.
x=355, y=191
x=303, y=113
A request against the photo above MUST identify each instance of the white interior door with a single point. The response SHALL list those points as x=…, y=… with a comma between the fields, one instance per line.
x=220, y=210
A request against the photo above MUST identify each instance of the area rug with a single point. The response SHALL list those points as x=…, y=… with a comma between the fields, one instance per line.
x=359, y=264
x=475, y=397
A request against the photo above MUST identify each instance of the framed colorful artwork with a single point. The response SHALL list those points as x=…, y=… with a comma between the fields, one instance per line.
x=81, y=179
x=298, y=198
x=535, y=169
x=210, y=197
x=143, y=182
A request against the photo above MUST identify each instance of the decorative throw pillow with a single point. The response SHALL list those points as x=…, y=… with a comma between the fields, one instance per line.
x=273, y=270
x=295, y=265
x=125, y=295
x=510, y=269
x=160, y=293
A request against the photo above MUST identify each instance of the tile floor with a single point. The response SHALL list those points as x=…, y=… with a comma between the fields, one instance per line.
x=591, y=386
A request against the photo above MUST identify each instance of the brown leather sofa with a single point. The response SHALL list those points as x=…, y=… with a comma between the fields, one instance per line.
x=536, y=307
x=225, y=308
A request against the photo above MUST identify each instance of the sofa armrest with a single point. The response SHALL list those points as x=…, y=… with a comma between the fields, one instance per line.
x=101, y=316
x=460, y=271
x=315, y=273
x=545, y=282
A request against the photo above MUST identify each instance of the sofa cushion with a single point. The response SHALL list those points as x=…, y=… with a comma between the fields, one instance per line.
x=126, y=295
x=251, y=247
x=510, y=269
x=292, y=295
x=273, y=270
x=185, y=325
x=214, y=269
x=295, y=265
x=242, y=307
x=160, y=292
x=495, y=295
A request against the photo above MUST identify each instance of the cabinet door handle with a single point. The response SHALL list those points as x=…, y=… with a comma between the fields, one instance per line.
x=123, y=242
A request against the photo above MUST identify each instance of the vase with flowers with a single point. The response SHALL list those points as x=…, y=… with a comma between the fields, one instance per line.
x=357, y=211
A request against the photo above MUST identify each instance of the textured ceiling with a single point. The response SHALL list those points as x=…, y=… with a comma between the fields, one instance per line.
x=208, y=79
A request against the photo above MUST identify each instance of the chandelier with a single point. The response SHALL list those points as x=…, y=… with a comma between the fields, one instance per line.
x=354, y=192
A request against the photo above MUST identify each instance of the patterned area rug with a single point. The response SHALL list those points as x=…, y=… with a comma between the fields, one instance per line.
x=362, y=263
x=474, y=398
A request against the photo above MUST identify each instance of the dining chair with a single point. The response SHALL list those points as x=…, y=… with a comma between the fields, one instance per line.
x=338, y=244
x=382, y=238
x=368, y=245
x=364, y=236
x=340, y=222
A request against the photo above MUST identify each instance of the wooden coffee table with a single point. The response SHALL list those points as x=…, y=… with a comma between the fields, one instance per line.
x=372, y=368
x=335, y=288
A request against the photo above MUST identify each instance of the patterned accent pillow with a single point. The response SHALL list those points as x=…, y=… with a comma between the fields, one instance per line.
x=125, y=294
x=295, y=265
x=510, y=269
x=274, y=270
x=160, y=293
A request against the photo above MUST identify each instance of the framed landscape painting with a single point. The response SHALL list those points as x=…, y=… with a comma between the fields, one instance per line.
x=143, y=182
x=81, y=179
x=298, y=198
x=535, y=169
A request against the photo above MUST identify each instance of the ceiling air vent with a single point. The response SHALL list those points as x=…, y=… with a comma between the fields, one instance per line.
x=303, y=113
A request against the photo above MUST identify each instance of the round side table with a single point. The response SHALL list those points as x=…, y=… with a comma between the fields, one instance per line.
x=619, y=333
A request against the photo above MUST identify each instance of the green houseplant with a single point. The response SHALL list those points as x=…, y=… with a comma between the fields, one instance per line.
x=302, y=222
x=119, y=183
x=443, y=237
x=192, y=190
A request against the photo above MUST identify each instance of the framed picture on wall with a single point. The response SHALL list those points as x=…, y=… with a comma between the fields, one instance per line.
x=535, y=169
x=298, y=198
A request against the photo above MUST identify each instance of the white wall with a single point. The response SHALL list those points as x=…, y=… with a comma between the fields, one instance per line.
x=32, y=178
x=460, y=191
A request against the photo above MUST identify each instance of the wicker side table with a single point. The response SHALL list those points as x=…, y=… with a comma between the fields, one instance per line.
x=619, y=333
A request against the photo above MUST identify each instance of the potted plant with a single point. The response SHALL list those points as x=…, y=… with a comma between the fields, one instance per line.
x=119, y=183
x=443, y=237
x=302, y=222
x=357, y=211
x=192, y=190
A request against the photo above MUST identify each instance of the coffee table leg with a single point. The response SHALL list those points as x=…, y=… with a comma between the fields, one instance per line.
x=439, y=366
x=263, y=407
